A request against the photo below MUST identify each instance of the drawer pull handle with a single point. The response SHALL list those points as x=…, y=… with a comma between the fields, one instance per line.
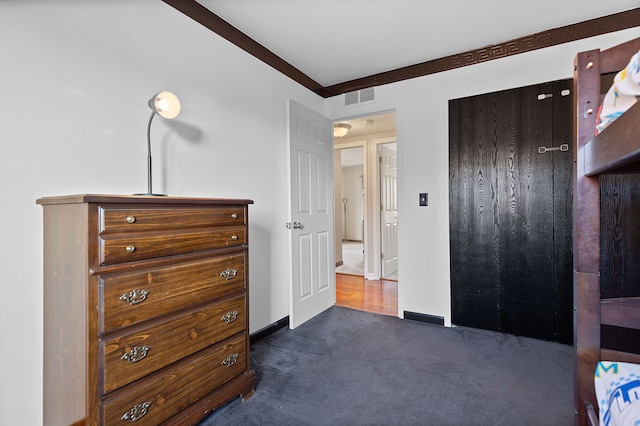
x=234, y=237
x=130, y=219
x=130, y=248
x=136, y=354
x=229, y=273
x=230, y=360
x=135, y=296
x=234, y=215
x=230, y=317
x=137, y=412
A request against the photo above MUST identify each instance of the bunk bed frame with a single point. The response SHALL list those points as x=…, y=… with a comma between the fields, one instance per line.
x=615, y=150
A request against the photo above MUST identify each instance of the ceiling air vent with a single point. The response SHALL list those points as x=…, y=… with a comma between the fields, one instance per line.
x=359, y=96
x=367, y=95
x=351, y=98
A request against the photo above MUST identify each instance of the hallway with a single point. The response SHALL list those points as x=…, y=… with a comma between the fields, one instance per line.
x=353, y=291
x=352, y=258
x=377, y=296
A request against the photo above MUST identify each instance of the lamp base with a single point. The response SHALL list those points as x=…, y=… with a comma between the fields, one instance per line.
x=151, y=195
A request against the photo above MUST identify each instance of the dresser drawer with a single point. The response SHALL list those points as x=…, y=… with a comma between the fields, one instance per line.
x=130, y=247
x=160, y=396
x=116, y=220
x=133, y=297
x=132, y=356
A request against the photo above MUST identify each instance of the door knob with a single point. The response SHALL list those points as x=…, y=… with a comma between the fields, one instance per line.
x=295, y=225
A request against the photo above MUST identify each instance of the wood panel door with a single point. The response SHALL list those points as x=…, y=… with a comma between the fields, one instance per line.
x=510, y=211
x=388, y=162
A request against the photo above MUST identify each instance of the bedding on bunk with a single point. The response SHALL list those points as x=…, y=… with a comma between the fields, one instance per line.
x=618, y=392
x=624, y=92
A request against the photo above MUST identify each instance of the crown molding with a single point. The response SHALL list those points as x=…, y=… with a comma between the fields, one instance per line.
x=593, y=27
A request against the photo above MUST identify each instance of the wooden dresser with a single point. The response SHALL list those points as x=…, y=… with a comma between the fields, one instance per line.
x=146, y=315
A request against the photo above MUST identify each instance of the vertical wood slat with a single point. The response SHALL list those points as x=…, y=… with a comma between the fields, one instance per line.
x=586, y=190
x=586, y=249
x=525, y=214
x=563, y=169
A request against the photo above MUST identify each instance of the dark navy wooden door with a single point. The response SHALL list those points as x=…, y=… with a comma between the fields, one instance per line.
x=510, y=211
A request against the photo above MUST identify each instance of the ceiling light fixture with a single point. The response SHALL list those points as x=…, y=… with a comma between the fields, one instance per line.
x=340, y=129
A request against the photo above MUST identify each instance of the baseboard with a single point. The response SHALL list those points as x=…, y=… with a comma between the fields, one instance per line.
x=270, y=329
x=431, y=319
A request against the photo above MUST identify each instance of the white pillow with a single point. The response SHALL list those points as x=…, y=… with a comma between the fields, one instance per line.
x=618, y=392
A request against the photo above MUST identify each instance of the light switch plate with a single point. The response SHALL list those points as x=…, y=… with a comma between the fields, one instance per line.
x=424, y=199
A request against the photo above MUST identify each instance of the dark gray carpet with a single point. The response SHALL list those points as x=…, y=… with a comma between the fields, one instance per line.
x=346, y=367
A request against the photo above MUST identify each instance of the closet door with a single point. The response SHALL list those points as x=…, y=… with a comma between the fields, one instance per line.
x=562, y=133
x=510, y=213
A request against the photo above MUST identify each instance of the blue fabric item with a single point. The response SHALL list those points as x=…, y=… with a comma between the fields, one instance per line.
x=618, y=391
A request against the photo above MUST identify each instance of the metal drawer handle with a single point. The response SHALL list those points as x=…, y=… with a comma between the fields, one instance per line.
x=234, y=237
x=230, y=317
x=130, y=248
x=137, y=412
x=230, y=360
x=136, y=354
x=130, y=219
x=229, y=273
x=234, y=215
x=135, y=296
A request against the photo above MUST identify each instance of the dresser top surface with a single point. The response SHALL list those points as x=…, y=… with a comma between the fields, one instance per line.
x=139, y=199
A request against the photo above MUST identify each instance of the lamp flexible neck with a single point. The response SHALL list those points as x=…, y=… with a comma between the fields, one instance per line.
x=149, y=184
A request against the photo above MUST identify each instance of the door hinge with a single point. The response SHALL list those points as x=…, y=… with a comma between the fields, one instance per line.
x=381, y=256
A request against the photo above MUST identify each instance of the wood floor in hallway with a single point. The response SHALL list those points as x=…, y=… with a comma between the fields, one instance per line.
x=378, y=296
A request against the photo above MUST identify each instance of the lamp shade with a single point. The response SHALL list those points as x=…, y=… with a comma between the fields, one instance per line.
x=340, y=129
x=165, y=104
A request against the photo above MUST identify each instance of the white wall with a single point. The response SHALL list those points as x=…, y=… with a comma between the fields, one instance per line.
x=75, y=79
x=422, y=106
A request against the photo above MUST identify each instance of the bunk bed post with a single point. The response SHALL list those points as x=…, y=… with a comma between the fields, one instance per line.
x=586, y=235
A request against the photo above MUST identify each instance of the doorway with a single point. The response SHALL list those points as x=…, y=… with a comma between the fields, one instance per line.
x=361, y=158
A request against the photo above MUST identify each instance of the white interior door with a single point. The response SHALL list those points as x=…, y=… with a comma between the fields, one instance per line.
x=311, y=205
x=388, y=210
